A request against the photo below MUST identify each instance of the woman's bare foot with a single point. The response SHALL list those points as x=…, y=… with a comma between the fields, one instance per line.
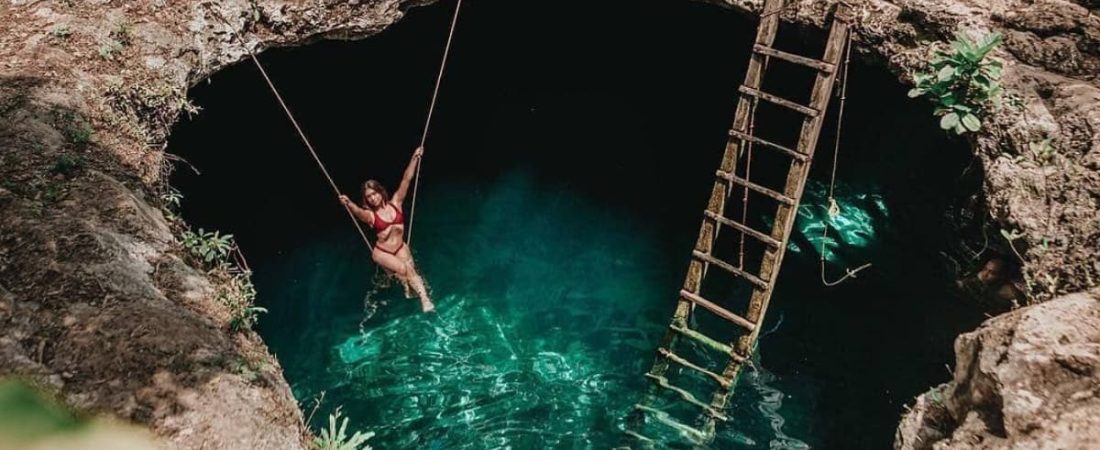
x=427, y=307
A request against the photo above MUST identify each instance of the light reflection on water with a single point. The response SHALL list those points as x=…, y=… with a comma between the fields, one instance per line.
x=854, y=225
x=549, y=310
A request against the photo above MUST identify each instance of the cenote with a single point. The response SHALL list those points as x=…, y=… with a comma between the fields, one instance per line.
x=571, y=157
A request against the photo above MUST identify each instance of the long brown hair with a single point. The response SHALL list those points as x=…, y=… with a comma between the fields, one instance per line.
x=373, y=185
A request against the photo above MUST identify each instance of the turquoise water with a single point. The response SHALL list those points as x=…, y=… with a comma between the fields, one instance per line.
x=550, y=308
x=853, y=220
x=554, y=284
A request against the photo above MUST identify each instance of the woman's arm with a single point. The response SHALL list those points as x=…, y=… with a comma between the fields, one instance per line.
x=410, y=171
x=359, y=213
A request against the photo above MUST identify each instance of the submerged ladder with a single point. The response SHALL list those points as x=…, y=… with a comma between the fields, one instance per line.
x=762, y=282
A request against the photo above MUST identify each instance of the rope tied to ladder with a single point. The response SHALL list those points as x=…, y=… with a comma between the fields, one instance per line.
x=745, y=151
x=431, y=112
x=748, y=172
x=833, y=207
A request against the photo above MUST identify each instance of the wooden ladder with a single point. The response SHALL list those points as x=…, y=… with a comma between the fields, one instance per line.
x=762, y=282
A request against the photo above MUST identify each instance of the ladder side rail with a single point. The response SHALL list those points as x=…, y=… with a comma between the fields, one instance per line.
x=796, y=179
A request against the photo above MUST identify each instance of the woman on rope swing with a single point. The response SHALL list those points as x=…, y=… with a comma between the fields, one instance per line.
x=383, y=212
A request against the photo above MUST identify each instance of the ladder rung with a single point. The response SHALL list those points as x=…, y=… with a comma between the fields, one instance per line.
x=778, y=101
x=687, y=396
x=718, y=310
x=729, y=268
x=722, y=381
x=792, y=58
x=640, y=437
x=801, y=157
x=756, y=187
x=666, y=419
x=702, y=339
x=707, y=341
x=742, y=228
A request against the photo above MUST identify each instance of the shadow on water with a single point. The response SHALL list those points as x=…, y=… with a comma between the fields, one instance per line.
x=573, y=151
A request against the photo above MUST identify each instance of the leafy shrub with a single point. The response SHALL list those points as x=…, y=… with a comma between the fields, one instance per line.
x=963, y=83
x=208, y=246
x=76, y=129
x=237, y=292
x=68, y=165
x=240, y=296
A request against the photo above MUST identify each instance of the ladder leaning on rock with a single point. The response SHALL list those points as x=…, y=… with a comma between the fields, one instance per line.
x=762, y=282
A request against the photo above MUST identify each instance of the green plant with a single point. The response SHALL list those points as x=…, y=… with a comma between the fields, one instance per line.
x=237, y=292
x=61, y=31
x=75, y=129
x=936, y=397
x=1043, y=151
x=250, y=370
x=118, y=38
x=110, y=48
x=171, y=198
x=68, y=165
x=121, y=33
x=81, y=135
x=963, y=83
x=209, y=246
x=336, y=438
x=245, y=318
x=31, y=416
x=52, y=191
x=239, y=295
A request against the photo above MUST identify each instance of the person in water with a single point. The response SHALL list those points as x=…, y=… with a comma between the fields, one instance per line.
x=383, y=213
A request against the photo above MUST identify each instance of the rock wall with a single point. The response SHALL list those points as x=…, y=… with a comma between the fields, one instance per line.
x=97, y=301
x=1026, y=379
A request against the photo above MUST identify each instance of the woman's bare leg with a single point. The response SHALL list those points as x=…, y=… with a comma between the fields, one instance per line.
x=401, y=266
x=415, y=280
x=417, y=283
x=393, y=266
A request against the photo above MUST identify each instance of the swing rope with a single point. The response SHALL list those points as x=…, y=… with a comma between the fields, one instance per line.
x=428, y=121
x=298, y=128
x=309, y=145
x=834, y=209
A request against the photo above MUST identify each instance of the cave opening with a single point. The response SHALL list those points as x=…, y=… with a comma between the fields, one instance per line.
x=571, y=157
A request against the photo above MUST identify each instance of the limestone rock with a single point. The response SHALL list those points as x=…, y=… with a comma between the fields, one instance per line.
x=1026, y=379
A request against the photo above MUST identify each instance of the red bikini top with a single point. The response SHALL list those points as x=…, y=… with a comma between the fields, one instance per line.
x=381, y=224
